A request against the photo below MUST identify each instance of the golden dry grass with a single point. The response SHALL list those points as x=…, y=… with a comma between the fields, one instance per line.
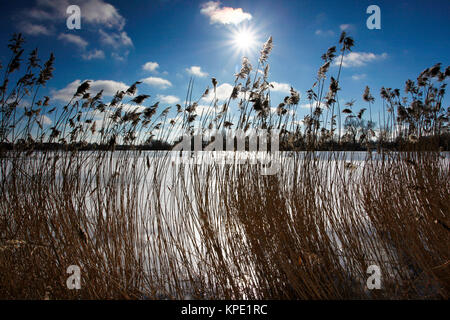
x=140, y=227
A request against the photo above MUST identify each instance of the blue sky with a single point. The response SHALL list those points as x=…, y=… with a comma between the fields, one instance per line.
x=177, y=39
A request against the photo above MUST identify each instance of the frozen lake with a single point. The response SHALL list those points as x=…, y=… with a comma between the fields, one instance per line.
x=161, y=192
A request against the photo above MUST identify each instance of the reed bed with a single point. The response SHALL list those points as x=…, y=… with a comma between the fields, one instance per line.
x=142, y=225
x=225, y=231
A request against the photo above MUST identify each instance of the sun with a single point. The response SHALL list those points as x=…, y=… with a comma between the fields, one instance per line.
x=244, y=40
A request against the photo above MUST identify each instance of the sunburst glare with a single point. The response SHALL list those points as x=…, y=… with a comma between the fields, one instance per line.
x=244, y=40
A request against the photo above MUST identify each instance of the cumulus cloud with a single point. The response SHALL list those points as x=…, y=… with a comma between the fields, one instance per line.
x=110, y=110
x=96, y=12
x=150, y=66
x=95, y=54
x=109, y=87
x=74, y=39
x=115, y=40
x=359, y=76
x=102, y=17
x=127, y=107
x=320, y=32
x=167, y=99
x=274, y=111
x=38, y=13
x=345, y=27
x=120, y=57
x=196, y=71
x=223, y=92
x=281, y=87
x=314, y=105
x=33, y=29
x=359, y=59
x=157, y=82
x=100, y=12
x=223, y=15
x=46, y=120
x=204, y=109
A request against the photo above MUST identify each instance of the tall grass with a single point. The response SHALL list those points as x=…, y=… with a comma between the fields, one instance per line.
x=141, y=226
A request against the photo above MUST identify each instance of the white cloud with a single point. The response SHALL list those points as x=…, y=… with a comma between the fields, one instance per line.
x=223, y=15
x=39, y=14
x=196, y=71
x=74, y=39
x=320, y=32
x=34, y=29
x=24, y=103
x=99, y=12
x=203, y=109
x=100, y=16
x=150, y=66
x=314, y=105
x=167, y=99
x=120, y=57
x=359, y=59
x=274, y=111
x=223, y=92
x=281, y=87
x=177, y=120
x=157, y=82
x=115, y=40
x=95, y=54
x=46, y=120
x=359, y=76
x=109, y=87
x=127, y=107
x=109, y=110
x=346, y=26
x=93, y=12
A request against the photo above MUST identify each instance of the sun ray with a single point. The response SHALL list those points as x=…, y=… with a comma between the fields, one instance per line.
x=244, y=40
